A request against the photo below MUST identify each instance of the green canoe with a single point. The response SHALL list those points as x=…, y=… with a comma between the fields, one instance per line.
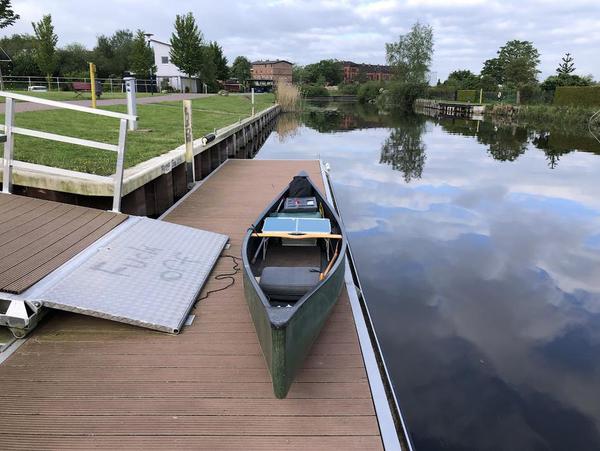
x=293, y=273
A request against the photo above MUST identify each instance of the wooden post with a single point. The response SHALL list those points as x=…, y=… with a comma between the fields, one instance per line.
x=518, y=97
x=118, y=188
x=481, y=95
x=189, y=141
x=9, y=117
x=93, y=83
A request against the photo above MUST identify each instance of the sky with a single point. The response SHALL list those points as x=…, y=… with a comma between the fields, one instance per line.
x=466, y=32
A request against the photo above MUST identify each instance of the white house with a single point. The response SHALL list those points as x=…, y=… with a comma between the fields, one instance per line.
x=167, y=72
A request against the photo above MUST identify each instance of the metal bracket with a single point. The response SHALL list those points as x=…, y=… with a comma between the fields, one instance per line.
x=19, y=316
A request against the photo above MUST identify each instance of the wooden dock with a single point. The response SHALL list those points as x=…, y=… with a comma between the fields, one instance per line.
x=81, y=382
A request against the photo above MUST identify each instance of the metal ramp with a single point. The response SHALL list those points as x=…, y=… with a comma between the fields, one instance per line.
x=144, y=272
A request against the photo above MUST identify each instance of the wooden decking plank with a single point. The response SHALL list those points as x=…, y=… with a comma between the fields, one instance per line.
x=23, y=208
x=64, y=250
x=28, y=441
x=35, y=223
x=38, y=211
x=197, y=425
x=194, y=406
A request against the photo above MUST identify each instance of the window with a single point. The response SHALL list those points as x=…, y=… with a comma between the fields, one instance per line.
x=164, y=60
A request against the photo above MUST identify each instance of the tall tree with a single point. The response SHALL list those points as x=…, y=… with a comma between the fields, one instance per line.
x=208, y=68
x=7, y=15
x=45, y=50
x=493, y=71
x=519, y=61
x=567, y=66
x=410, y=57
x=142, y=56
x=220, y=61
x=241, y=69
x=186, y=45
x=112, y=54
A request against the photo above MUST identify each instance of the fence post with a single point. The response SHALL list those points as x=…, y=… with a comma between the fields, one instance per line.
x=253, y=111
x=9, y=118
x=481, y=95
x=189, y=142
x=118, y=188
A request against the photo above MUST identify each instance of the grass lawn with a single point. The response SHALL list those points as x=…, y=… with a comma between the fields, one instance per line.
x=160, y=130
x=70, y=95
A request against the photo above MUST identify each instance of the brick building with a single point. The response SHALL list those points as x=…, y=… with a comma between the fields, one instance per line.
x=276, y=71
x=375, y=72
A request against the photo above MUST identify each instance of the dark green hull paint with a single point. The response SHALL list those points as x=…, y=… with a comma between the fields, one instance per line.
x=286, y=347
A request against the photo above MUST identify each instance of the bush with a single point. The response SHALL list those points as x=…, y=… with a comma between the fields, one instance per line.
x=349, y=89
x=314, y=91
x=467, y=95
x=403, y=95
x=441, y=93
x=369, y=91
x=577, y=96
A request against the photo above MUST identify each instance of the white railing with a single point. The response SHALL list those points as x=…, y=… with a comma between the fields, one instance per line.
x=10, y=130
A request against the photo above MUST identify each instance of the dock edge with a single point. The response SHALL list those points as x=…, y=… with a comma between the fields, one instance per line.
x=394, y=432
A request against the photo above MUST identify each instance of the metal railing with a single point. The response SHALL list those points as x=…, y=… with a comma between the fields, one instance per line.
x=10, y=130
x=20, y=82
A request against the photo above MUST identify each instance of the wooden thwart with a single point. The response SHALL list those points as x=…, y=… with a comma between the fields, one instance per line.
x=297, y=235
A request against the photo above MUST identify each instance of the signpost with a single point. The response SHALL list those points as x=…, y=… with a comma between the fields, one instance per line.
x=93, y=83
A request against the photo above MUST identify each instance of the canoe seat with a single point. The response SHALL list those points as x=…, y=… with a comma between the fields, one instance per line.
x=288, y=283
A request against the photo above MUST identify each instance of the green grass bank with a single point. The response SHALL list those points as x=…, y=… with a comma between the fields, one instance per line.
x=160, y=129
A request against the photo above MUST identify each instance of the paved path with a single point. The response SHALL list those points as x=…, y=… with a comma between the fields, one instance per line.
x=27, y=106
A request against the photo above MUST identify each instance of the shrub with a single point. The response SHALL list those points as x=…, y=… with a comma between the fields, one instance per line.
x=349, y=89
x=314, y=91
x=577, y=96
x=369, y=91
x=441, y=93
x=467, y=95
x=403, y=95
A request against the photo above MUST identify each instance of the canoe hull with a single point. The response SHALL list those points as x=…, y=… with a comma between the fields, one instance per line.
x=286, y=347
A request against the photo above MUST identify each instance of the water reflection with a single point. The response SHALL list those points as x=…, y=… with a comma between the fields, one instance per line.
x=404, y=149
x=481, y=268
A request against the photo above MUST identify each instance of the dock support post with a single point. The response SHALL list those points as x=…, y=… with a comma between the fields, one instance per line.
x=189, y=142
x=8, y=144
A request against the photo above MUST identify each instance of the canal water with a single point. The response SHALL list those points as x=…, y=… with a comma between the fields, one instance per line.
x=478, y=246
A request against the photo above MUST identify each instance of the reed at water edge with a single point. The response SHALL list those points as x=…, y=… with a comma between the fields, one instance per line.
x=288, y=97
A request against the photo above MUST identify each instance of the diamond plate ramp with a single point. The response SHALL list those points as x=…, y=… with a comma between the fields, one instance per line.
x=149, y=275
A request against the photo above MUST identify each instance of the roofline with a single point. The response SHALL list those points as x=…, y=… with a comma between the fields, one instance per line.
x=271, y=62
x=159, y=42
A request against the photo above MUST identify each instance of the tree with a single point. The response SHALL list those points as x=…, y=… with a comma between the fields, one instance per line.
x=462, y=79
x=298, y=74
x=186, y=45
x=219, y=60
x=411, y=56
x=45, y=50
x=207, y=68
x=241, y=69
x=7, y=15
x=519, y=61
x=112, y=54
x=142, y=56
x=493, y=71
x=73, y=60
x=329, y=72
x=404, y=149
x=567, y=66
